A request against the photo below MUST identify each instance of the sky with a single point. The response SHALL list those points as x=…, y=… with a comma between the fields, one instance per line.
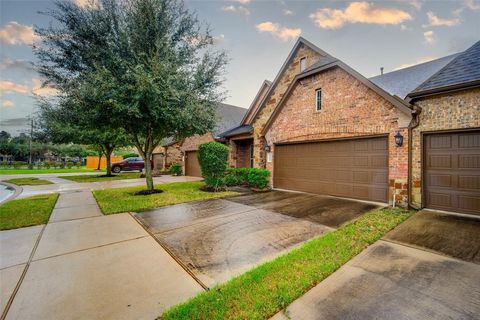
x=258, y=35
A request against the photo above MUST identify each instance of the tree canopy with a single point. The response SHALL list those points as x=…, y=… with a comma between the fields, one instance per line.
x=146, y=66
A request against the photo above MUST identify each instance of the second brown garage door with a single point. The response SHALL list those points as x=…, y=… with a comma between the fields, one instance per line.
x=356, y=168
x=192, y=167
x=452, y=171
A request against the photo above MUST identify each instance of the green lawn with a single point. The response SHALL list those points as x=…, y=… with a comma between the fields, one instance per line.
x=37, y=171
x=102, y=177
x=27, y=212
x=123, y=199
x=267, y=289
x=29, y=181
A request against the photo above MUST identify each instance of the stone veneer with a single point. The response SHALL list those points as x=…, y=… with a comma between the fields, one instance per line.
x=349, y=109
x=450, y=111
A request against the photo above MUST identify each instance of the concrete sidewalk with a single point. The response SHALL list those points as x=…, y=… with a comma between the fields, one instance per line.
x=84, y=265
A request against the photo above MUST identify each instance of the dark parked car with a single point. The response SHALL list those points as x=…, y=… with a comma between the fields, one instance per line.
x=129, y=164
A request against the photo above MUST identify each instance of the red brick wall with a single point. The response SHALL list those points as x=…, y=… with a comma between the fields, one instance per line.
x=349, y=109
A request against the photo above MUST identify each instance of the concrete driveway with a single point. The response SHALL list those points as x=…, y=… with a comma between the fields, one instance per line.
x=218, y=239
x=427, y=268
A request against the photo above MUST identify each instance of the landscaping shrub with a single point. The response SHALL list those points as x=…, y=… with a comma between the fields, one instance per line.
x=69, y=164
x=30, y=166
x=258, y=178
x=175, y=169
x=130, y=155
x=213, y=157
x=236, y=176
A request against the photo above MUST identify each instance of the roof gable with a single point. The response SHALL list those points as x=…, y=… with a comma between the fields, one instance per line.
x=402, y=105
x=461, y=72
x=247, y=119
x=300, y=41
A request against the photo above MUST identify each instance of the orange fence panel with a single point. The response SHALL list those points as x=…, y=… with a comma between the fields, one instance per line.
x=92, y=162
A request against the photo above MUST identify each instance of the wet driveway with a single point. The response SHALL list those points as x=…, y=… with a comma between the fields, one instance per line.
x=218, y=239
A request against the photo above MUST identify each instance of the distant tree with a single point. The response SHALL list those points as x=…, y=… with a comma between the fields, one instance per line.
x=62, y=124
x=4, y=136
x=146, y=66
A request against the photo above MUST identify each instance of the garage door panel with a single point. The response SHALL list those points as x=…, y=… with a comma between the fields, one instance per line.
x=356, y=168
x=192, y=167
x=452, y=171
x=469, y=161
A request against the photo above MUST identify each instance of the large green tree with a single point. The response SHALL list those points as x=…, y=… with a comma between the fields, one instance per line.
x=147, y=66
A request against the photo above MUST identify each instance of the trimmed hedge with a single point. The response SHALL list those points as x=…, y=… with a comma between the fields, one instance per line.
x=213, y=157
x=252, y=177
x=175, y=169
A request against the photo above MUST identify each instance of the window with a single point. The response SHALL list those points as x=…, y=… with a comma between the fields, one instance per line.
x=318, y=99
x=303, y=64
x=251, y=155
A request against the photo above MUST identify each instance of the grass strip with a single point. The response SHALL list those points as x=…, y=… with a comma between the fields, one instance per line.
x=124, y=199
x=29, y=181
x=270, y=287
x=27, y=212
x=102, y=177
x=37, y=171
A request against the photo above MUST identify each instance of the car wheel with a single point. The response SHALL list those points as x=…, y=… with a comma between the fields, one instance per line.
x=116, y=169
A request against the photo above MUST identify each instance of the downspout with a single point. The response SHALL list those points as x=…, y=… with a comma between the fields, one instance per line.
x=413, y=124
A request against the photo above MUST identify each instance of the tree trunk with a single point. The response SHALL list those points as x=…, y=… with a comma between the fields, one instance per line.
x=108, y=155
x=148, y=170
x=100, y=153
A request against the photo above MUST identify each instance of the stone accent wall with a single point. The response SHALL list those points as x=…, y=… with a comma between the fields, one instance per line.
x=451, y=111
x=291, y=71
x=173, y=155
x=192, y=143
x=349, y=109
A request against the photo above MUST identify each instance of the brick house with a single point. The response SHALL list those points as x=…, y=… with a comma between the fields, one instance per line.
x=322, y=127
x=184, y=152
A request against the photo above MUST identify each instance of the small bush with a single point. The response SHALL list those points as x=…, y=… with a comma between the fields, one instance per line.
x=236, y=176
x=69, y=164
x=175, y=169
x=130, y=155
x=19, y=164
x=30, y=166
x=62, y=165
x=47, y=164
x=258, y=178
x=213, y=157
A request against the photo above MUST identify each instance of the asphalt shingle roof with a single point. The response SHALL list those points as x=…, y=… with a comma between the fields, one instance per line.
x=228, y=117
x=404, y=81
x=244, y=128
x=464, y=68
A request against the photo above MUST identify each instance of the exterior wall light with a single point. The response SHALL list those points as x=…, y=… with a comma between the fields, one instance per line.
x=398, y=139
x=267, y=148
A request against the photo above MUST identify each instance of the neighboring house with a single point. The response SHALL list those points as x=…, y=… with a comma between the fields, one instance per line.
x=184, y=152
x=322, y=127
x=445, y=153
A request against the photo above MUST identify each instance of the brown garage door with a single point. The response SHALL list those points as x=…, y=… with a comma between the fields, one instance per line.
x=348, y=168
x=452, y=171
x=192, y=167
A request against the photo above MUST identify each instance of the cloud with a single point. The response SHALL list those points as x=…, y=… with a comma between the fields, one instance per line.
x=358, y=12
x=86, y=3
x=37, y=88
x=404, y=27
x=429, y=37
x=237, y=9
x=287, y=12
x=418, y=61
x=279, y=32
x=14, y=33
x=243, y=1
x=417, y=4
x=9, y=87
x=472, y=4
x=7, y=103
x=435, y=21
x=13, y=64
x=219, y=39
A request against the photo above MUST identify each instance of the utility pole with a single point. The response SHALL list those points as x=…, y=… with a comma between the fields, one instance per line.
x=30, y=144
